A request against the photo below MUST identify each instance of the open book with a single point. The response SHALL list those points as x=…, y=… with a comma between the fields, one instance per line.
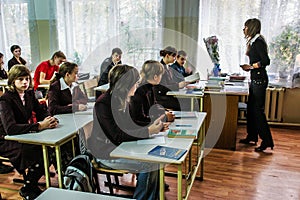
x=167, y=152
x=193, y=77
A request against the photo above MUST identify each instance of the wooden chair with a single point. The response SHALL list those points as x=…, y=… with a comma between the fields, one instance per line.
x=88, y=87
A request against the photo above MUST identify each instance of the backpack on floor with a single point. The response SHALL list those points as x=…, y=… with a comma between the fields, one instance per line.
x=79, y=174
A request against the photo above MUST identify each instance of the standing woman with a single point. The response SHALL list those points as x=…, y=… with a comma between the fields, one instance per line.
x=64, y=94
x=16, y=107
x=257, y=51
x=16, y=59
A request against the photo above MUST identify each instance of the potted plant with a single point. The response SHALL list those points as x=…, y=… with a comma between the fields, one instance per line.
x=284, y=48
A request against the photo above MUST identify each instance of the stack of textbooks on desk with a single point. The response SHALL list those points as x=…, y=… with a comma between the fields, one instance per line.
x=183, y=133
x=167, y=152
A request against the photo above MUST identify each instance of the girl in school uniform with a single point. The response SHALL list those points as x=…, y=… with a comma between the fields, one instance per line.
x=16, y=59
x=113, y=125
x=16, y=108
x=168, y=82
x=143, y=105
x=64, y=94
x=3, y=73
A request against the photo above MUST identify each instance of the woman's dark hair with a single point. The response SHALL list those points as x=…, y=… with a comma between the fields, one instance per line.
x=151, y=68
x=65, y=68
x=181, y=53
x=168, y=51
x=58, y=54
x=254, y=27
x=121, y=79
x=1, y=56
x=15, y=72
x=116, y=50
x=14, y=47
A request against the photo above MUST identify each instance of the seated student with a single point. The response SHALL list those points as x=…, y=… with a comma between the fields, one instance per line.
x=143, y=105
x=113, y=125
x=180, y=72
x=16, y=59
x=3, y=73
x=167, y=82
x=64, y=95
x=16, y=107
x=107, y=64
x=44, y=72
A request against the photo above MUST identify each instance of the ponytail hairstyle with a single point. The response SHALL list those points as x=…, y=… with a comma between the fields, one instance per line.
x=66, y=67
x=151, y=68
x=168, y=51
x=58, y=54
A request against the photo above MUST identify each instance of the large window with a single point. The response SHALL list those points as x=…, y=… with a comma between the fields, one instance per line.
x=89, y=29
x=14, y=28
x=225, y=19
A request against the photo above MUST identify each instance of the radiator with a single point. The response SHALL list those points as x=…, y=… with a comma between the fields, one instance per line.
x=273, y=104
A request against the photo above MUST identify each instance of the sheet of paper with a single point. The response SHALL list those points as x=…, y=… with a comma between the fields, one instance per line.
x=154, y=140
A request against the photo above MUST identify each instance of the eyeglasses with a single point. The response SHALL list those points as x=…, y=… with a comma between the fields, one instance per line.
x=182, y=58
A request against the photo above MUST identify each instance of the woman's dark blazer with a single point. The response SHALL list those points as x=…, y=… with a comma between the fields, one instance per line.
x=111, y=127
x=13, y=61
x=59, y=100
x=143, y=105
x=15, y=118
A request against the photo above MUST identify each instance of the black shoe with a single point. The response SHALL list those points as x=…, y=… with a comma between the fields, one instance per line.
x=261, y=148
x=247, y=141
x=30, y=192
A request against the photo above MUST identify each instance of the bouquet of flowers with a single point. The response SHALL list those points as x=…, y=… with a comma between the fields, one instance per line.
x=212, y=47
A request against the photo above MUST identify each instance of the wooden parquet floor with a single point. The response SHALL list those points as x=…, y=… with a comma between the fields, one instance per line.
x=241, y=174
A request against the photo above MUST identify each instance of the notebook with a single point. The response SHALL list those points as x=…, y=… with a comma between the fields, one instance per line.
x=167, y=152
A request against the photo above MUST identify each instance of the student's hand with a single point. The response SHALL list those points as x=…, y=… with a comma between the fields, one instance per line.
x=157, y=126
x=188, y=70
x=170, y=116
x=82, y=107
x=48, y=122
x=182, y=84
x=246, y=67
x=165, y=126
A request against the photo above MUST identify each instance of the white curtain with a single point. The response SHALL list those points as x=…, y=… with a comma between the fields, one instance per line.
x=14, y=28
x=225, y=19
x=89, y=29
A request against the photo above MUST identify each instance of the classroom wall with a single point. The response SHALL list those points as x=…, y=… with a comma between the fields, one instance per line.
x=43, y=32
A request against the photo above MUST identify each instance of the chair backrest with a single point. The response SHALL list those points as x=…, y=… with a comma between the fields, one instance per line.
x=89, y=86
